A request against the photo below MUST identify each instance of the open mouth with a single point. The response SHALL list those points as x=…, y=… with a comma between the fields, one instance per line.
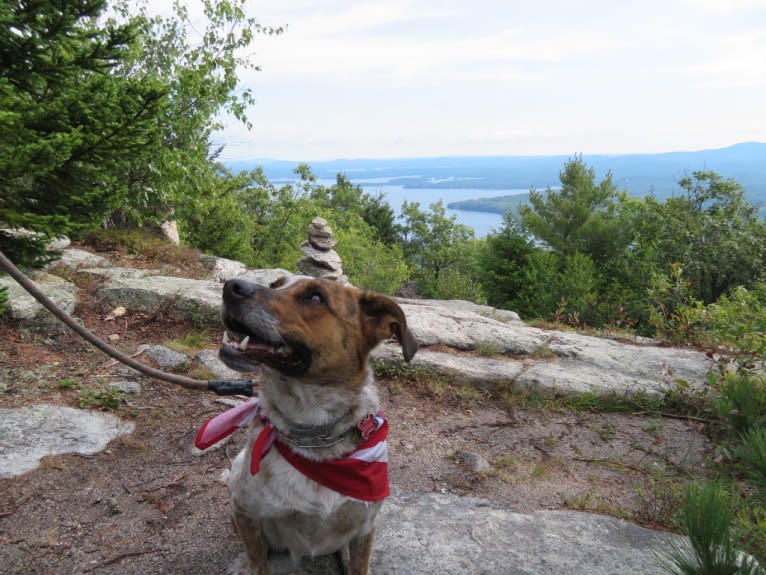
x=246, y=353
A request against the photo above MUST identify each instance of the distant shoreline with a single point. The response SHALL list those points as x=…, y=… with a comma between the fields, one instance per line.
x=638, y=174
x=490, y=186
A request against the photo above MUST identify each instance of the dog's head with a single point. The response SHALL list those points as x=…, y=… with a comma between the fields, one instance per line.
x=313, y=328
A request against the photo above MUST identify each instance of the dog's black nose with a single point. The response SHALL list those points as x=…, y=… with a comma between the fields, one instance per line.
x=234, y=290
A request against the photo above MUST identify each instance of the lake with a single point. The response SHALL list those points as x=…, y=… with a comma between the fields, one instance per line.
x=481, y=222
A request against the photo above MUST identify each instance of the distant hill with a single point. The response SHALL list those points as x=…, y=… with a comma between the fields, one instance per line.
x=639, y=174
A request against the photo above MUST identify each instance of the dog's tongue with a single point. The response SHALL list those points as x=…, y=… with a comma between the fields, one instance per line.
x=224, y=424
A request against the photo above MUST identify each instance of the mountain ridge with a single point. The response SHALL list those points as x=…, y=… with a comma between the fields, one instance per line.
x=638, y=173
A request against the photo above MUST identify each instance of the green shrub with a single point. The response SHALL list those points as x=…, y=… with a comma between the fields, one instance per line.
x=738, y=320
x=369, y=263
x=707, y=520
x=105, y=400
x=751, y=453
x=27, y=250
x=219, y=226
x=743, y=403
x=3, y=299
x=674, y=313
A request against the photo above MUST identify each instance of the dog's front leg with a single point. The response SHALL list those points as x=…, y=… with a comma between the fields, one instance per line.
x=357, y=560
x=250, y=532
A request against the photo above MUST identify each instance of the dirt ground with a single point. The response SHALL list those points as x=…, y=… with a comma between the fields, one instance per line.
x=149, y=505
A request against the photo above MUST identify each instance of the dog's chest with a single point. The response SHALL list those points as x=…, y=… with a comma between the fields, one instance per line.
x=278, y=488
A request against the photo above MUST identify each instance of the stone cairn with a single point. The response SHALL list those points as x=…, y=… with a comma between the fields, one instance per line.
x=319, y=259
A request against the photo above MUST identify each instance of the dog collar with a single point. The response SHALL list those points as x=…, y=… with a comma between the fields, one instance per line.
x=314, y=436
x=361, y=474
x=218, y=428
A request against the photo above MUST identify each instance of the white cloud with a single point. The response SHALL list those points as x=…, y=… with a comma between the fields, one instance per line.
x=480, y=76
x=319, y=50
x=736, y=61
x=726, y=6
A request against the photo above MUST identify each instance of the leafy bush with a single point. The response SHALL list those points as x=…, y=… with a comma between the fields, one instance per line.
x=577, y=290
x=738, y=320
x=536, y=299
x=218, y=225
x=674, y=313
x=26, y=250
x=440, y=252
x=369, y=263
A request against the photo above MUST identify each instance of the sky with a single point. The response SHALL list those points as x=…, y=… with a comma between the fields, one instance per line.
x=420, y=78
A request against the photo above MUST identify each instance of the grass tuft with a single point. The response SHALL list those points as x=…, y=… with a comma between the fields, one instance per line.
x=706, y=519
x=751, y=453
x=105, y=400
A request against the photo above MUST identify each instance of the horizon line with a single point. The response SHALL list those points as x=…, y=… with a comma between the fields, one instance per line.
x=465, y=156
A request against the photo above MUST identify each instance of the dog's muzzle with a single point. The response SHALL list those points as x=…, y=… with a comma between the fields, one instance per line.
x=252, y=338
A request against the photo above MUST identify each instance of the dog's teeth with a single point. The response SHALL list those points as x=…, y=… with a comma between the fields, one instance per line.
x=244, y=342
x=226, y=337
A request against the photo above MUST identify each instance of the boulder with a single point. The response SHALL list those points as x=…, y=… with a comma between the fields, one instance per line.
x=552, y=360
x=208, y=358
x=75, y=259
x=188, y=299
x=24, y=308
x=28, y=434
x=167, y=358
x=222, y=269
x=265, y=277
x=487, y=311
x=453, y=535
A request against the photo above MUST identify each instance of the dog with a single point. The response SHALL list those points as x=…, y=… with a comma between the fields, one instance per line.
x=313, y=475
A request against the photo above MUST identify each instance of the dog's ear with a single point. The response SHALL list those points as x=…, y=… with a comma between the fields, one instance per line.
x=382, y=318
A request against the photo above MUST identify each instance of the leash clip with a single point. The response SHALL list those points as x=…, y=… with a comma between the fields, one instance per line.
x=229, y=387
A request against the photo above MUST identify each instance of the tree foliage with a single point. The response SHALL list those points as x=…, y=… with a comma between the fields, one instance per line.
x=110, y=117
x=69, y=121
x=441, y=253
x=580, y=217
x=710, y=230
x=596, y=256
x=199, y=72
x=506, y=264
x=254, y=221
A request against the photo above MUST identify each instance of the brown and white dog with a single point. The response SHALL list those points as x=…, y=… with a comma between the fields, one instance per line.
x=319, y=405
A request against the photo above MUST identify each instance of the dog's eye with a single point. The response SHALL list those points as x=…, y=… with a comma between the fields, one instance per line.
x=314, y=298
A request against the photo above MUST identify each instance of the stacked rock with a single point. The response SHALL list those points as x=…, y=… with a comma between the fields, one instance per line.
x=319, y=259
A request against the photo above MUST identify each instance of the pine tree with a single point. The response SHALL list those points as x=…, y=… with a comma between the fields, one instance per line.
x=68, y=123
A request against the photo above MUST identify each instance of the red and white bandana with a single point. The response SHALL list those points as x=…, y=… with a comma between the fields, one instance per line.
x=361, y=474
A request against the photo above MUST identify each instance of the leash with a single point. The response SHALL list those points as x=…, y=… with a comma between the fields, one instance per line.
x=220, y=387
